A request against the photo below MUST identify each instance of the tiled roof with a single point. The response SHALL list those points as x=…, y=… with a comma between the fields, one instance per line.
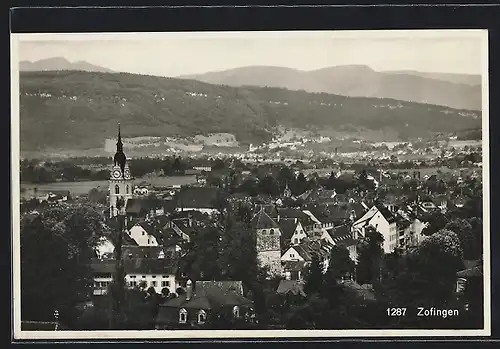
x=294, y=265
x=138, y=266
x=208, y=298
x=295, y=287
x=388, y=215
x=262, y=221
x=225, y=286
x=141, y=251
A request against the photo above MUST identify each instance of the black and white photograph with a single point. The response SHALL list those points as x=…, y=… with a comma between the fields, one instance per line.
x=250, y=184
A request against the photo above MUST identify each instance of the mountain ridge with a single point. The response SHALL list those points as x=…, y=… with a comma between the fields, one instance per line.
x=462, y=91
x=61, y=63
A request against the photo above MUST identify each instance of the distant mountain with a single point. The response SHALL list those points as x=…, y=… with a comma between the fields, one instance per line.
x=451, y=90
x=467, y=79
x=79, y=110
x=59, y=63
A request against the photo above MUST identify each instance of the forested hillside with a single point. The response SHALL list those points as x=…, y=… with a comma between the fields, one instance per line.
x=77, y=110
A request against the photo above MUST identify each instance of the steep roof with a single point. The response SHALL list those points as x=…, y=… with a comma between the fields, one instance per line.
x=295, y=287
x=287, y=227
x=262, y=221
x=388, y=215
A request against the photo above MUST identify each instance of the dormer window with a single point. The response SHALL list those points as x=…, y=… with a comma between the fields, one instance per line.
x=182, y=316
x=202, y=317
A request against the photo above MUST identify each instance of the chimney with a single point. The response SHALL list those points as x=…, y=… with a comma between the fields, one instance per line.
x=189, y=289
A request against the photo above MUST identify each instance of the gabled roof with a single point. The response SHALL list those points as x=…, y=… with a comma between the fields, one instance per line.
x=388, y=215
x=262, y=221
x=295, y=287
x=146, y=226
x=292, y=213
x=287, y=226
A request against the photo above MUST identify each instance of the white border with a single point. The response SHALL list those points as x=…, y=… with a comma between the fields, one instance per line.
x=229, y=334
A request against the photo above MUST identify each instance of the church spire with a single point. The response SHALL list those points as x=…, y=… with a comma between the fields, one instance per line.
x=120, y=158
x=119, y=144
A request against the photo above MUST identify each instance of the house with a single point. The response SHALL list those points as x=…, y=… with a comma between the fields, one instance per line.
x=384, y=221
x=343, y=236
x=153, y=272
x=143, y=234
x=202, y=199
x=105, y=248
x=207, y=304
x=470, y=287
x=298, y=233
x=304, y=252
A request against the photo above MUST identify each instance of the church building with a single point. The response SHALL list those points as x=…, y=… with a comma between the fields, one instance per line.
x=120, y=181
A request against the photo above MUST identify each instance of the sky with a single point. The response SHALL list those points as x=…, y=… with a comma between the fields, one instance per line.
x=174, y=54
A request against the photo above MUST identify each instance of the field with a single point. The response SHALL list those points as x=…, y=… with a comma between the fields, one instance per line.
x=80, y=188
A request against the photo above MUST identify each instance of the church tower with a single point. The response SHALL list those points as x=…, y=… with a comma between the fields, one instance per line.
x=267, y=242
x=120, y=181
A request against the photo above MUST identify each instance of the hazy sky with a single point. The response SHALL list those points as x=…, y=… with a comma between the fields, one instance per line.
x=173, y=54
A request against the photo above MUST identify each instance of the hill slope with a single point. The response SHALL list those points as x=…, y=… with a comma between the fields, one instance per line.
x=451, y=90
x=77, y=110
x=59, y=63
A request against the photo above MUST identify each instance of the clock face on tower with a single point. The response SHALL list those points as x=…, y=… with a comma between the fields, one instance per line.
x=116, y=174
x=127, y=173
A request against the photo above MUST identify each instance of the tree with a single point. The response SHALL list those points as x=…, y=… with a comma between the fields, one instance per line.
x=370, y=253
x=471, y=246
x=435, y=222
x=314, y=276
x=57, y=247
x=340, y=264
x=97, y=196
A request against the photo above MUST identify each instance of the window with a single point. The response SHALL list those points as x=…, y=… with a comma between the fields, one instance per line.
x=144, y=276
x=202, y=316
x=132, y=276
x=153, y=283
x=295, y=241
x=165, y=284
x=292, y=255
x=153, y=276
x=236, y=311
x=271, y=231
x=165, y=276
x=127, y=189
x=133, y=283
x=182, y=316
x=117, y=189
